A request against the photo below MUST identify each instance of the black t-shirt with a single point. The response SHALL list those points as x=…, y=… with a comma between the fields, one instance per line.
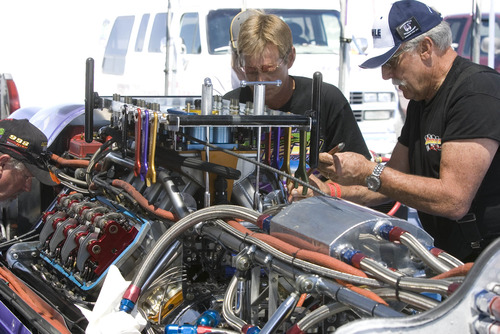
x=471, y=111
x=337, y=123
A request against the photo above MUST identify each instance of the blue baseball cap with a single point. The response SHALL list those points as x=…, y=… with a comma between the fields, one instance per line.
x=405, y=20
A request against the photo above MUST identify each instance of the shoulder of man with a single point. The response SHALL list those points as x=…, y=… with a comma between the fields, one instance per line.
x=464, y=64
x=306, y=83
x=476, y=78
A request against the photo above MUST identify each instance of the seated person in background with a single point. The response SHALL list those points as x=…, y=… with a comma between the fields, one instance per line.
x=265, y=53
x=297, y=33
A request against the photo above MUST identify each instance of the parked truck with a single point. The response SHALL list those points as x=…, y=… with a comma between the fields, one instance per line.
x=462, y=26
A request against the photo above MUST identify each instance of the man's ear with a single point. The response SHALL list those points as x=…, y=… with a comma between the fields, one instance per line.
x=4, y=158
x=291, y=57
x=426, y=48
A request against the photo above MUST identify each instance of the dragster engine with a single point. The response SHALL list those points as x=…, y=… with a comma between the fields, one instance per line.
x=185, y=198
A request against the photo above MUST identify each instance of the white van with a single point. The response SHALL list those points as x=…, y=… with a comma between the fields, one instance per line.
x=196, y=40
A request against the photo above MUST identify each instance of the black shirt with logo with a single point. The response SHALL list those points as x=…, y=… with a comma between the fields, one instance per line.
x=337, y=123
x=466, y=106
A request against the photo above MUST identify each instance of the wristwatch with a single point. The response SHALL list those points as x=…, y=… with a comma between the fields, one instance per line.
x=373, y=181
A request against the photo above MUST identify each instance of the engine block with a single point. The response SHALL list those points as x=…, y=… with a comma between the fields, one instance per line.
x=192, y=211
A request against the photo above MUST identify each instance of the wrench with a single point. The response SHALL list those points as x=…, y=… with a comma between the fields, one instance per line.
x=138, y=124
x=124, y=131
x=301, y=172
x=151, y=174
x=287, y=146
x=144, y=144
x=275, y=161
x=268, y=147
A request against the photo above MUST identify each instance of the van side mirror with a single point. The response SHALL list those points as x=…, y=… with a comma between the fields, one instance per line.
x=361, y=44
x=180, y=45
x=163, y=45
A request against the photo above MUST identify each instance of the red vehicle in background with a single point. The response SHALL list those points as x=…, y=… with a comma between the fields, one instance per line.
x=461, y=27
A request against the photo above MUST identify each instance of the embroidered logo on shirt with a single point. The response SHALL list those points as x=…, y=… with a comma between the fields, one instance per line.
x=433, y=143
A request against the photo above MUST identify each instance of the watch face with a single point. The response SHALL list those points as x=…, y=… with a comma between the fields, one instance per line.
x=373, y=183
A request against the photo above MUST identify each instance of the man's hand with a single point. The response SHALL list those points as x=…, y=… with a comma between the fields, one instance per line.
x=295, y=194
x=346, y=168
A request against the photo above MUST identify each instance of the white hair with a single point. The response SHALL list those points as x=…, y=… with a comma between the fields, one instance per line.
x=440, y=35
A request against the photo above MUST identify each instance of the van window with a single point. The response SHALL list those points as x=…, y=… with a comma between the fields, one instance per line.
x=313, y=31
x=483, y=33
x=158, y=40
x=116, y=49
x=457, y=27
x=190, y=33
x=218, y=22
x=141, y=34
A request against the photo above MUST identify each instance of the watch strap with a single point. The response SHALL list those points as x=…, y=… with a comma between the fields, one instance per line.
x=377, y=171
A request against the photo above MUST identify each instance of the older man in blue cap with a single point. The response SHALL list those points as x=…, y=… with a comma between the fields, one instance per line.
x=446, y=163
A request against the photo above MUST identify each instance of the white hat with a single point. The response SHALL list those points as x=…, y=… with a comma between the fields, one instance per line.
x=405, y=20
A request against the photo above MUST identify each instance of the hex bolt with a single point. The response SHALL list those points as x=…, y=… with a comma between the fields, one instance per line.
x=243, y=263
x=96, y=249
x=307, y=285
x=113, y=229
